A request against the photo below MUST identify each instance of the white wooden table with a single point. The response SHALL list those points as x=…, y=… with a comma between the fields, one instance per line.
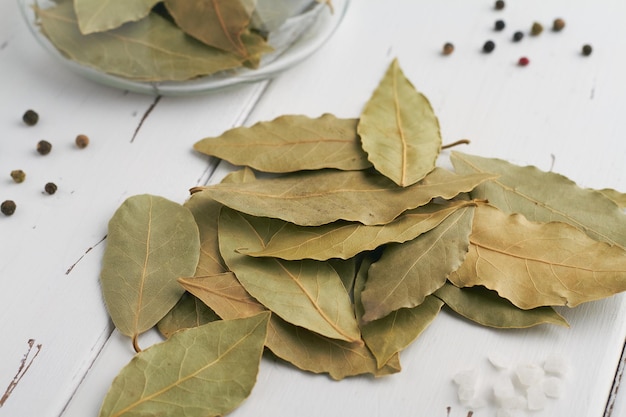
x=565, y=112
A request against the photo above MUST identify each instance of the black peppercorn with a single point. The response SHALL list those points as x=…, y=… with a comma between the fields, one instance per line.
x=499, y=25
x=448, y=48
x=44, y=147
x=536, y=29
x=587, y=50
x=50, y=188
x=489, y=46
x=30, y=117
x=558, y=25
x=7, y=207
x=18, y=175
x=499, y=5
x=517, y=36
x=82, y=141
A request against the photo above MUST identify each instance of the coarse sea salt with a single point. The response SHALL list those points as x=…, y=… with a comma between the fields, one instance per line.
x=536, y=398
x=529, y=374
x=552, y=387
x=556, y=365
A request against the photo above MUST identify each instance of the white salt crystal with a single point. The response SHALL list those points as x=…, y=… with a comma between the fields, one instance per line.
x=468, y=378
x=512, y=403
x=556, y=364
x=529, y=374
x=537, y=399
x=499, y=361
x=505, y=412
x=503, y=388
x=466, y=394
x=552, y=387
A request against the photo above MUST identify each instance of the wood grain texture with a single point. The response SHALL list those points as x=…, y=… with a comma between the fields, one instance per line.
x=561, y=112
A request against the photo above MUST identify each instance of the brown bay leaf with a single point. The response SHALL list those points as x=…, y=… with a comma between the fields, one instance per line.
x=302, y=348
x=217, y=23
x=290, y=143
x=545, y=196
x=320, y=197
x=152, y=49
x=100, y=16
x=485, y=307
x=407, y=273
x=390, y=335
x=224, y=294
x=539, y=264
x=200, y=372
x=187, y=313
x=305, y=293
x=399, y=129
x=346, y=239
x=151, y=241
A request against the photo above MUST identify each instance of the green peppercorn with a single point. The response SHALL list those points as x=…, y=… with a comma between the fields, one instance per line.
x=50, y=188
x=448, y=48
x=536, y=29
x=18, y=175
x=44, y=147
x=7, y=207
x=558, y=25
x=499, y=25
x=499, y=5
x=489, y=46
x=82, y=141
x=30, y=117
x=518, y=36
x=587, y=49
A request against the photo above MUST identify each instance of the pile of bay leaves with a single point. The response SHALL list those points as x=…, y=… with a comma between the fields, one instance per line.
x=341, y=252
x=168, y=40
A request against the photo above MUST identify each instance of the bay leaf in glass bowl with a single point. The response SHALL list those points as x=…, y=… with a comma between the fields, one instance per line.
x=154, y=55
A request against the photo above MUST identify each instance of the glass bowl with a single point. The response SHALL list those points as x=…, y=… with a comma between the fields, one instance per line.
x=291, y=41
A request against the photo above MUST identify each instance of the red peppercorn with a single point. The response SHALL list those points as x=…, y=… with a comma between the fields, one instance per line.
x=523, y=61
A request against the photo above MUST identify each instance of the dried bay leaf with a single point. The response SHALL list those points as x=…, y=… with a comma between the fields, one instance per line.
x=302, y=348
x=199, y=372
x=151, y=241
x=290, y=143
x=217, y=23
x=545, y=196
x=152, y=49
x=305, y=293
x=399, y=129
x=392, y=334
x=100, y=16
x=224, y=294
x=539, y=264
x=346, y=239
x=616, y=196
x=485, y=307
x=187, y=313
x=312, y=352
x=320, y=197
x=407, y=273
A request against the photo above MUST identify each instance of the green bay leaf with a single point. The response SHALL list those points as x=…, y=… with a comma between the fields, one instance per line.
x=152, y=49
x=536, y=264
x=545, y=196
x=324, y=196
x=187, y=313
x=487, y=308
x=151, y=241
x=390, y=335
x=302, y=348
x=399, y=130
x=305, y=293
x=200, y=372
x=344, y=239
x=618, y=197
x=290, y=143
x=407, y=273
x=217, y=23
x=100, y=16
